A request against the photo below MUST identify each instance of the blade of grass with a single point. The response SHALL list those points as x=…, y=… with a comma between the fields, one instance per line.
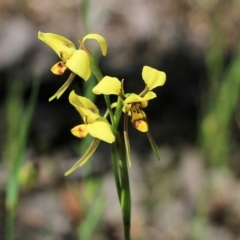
x=87, y=227
x=17, y=161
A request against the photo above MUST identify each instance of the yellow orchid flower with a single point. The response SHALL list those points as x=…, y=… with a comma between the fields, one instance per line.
x=134, y=103
x=77, y=61
x=97, y=126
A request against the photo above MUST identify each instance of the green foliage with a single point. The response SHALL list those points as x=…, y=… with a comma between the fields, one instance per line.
x=18, y=121
x=218, y=110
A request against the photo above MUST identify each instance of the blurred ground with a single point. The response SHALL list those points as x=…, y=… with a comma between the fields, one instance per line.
x=177, y=198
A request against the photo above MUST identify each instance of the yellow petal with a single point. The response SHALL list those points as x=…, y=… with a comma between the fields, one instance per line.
x=61, y=45
x=79, y=63
x=59, y=68
x=101, y=129
x=143, y=104
x=139, y=120
x=83, y=102
x=108, y=85
x=80, y=131
x=133, y=98
x=85, y=107
x=63, y=88
x=149, y=95
x=152, y=77
x=127, y=108
x=141, y=125
x=102, y=42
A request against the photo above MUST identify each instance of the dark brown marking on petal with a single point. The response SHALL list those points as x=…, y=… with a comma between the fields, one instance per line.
x=92, y=110
x=67, y=45
x=80, y=131
x=60, y=69
x=136, y=108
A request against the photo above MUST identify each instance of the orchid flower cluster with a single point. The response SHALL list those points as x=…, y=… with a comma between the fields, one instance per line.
x=80, y=62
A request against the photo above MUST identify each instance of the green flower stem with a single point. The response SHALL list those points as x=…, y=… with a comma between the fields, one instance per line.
x=117, y=114
x=114, y=120
x=116, y=170
x=126, y=138
x=114, y=152
x=122, y=180
x=125, y=192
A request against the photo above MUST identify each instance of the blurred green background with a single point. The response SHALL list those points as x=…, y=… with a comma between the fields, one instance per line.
x=193, y=192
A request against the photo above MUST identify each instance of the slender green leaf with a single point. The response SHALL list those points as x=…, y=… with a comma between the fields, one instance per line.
x=126, y=138
x=86, y=156
x=153, y=145
x=63, y=88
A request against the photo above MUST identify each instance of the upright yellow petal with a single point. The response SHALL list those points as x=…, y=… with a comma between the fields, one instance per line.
x=61, y=45
x=101, y=40
x=152, y=77
x=108, y=85
x=79, y=63
x=85, y=107
x=79, y=101
x=88, y=115
x=101, y=129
